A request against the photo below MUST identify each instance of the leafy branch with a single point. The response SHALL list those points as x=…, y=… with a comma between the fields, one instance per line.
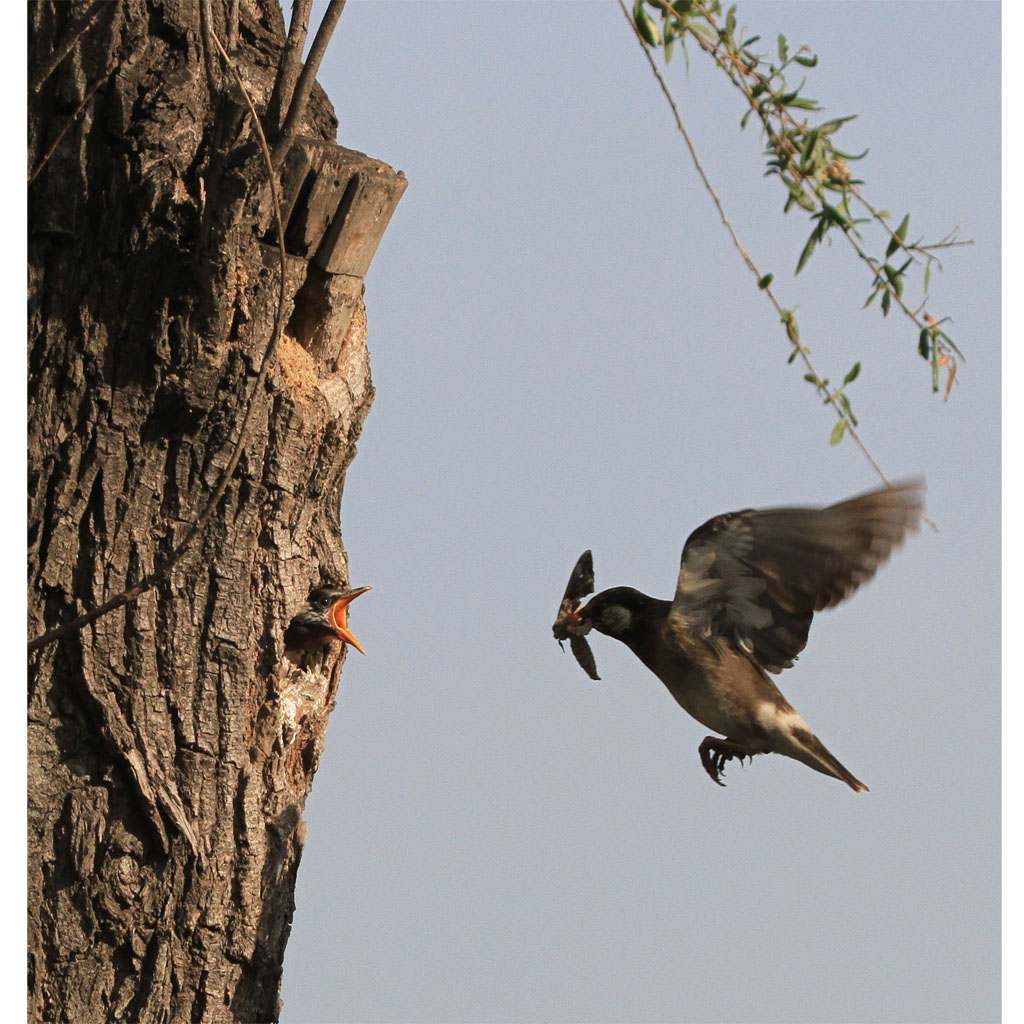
x=816, y=176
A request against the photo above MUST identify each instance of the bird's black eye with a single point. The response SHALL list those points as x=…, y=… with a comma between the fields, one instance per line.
x=319, y=600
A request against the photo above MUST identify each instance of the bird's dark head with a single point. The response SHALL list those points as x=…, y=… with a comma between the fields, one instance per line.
x=324, y=617
x=622, y=613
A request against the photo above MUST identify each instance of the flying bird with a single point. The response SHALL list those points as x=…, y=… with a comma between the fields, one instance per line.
x=323, y=618
x=749, y=585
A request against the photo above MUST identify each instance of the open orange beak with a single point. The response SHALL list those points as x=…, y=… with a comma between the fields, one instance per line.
x=338, y=618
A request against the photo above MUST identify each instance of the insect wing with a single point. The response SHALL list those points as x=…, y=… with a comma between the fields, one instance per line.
x=584, y=655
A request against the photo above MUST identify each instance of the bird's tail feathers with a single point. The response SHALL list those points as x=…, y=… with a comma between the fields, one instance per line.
x=814, y=754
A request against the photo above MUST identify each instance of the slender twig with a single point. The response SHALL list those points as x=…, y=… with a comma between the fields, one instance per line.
x=784, y=314
x=150, y=580
x=304, y=86
x=80, y=27
x=207, y=30
x=290, y=64
x=72, y=119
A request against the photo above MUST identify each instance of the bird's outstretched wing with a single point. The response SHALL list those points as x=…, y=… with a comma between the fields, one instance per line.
x=581, y=583
x=755, y=578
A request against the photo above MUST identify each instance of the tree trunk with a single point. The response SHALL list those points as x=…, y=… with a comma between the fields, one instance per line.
x=172, y=742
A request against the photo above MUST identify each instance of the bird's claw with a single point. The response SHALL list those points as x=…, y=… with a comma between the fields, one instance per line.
x=715, y=752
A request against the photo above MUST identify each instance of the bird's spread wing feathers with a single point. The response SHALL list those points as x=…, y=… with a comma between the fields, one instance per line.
x=755, y=578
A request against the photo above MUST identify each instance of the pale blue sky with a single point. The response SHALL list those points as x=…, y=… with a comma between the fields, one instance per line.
x=568, y=353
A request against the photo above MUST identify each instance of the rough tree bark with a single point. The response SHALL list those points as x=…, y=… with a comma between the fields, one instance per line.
x=172, y=742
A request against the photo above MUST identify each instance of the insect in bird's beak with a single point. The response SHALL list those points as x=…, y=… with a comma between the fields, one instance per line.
x=569, y=624
x=338, y=618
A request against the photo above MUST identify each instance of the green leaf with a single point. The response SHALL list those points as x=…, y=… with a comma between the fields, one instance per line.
x=808, y=249
x=830, y=126
x=798, y=196
x=837, y=432
x=834, y=216
x=808, y=62
x=783, y=48
x=808, y=147
x=669, y=46
x=852, y=375
x=647, y=29
x=802, y=104
x=849, y=409
x=702, y=30
x=811, y=379
x=924, y=343
x=791, y=326
x=765, y=281
x=949, y=341
x=895, y=277
x=886, y=302
x=898, y=236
